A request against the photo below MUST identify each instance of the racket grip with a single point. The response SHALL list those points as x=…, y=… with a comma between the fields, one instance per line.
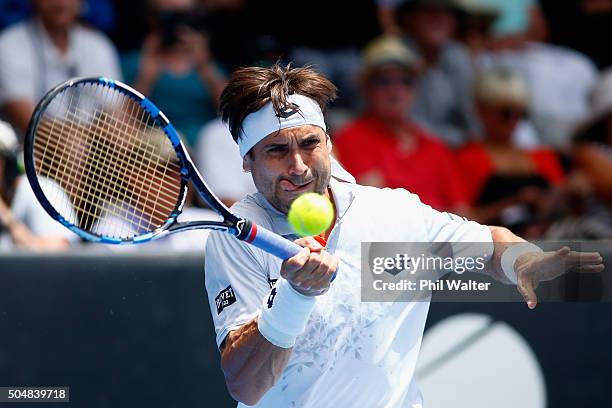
x=272, y=243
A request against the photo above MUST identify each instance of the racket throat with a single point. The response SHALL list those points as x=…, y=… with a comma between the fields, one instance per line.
x=245, y=230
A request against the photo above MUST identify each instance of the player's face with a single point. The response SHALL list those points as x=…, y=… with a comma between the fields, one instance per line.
x=289, y=163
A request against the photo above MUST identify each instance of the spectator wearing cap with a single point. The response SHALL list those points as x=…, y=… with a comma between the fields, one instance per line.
x=37, y=54
x=442, y=103
x=507, y=184
x=383, y=147
x=23, y=221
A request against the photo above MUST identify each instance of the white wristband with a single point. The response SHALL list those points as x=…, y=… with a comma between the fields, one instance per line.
x=284, y=314
x=511, y=254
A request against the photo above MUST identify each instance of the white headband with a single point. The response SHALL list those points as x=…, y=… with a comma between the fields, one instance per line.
x=263, y=122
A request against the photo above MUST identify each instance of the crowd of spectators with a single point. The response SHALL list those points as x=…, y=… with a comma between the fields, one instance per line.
x=498, y=110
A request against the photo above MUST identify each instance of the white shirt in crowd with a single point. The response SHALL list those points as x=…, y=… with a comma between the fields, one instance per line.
x=30, y=65
x=27, y=210
x=352, y=353
x=218, y=159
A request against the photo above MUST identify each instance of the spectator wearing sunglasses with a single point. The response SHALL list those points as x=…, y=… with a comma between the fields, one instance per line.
x=508, y=184
x=383, y=147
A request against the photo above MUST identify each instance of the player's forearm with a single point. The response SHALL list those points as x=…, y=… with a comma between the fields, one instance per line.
x=251, y=364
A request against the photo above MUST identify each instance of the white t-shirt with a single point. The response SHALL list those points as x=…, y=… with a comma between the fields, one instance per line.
x=27, y=210
x=352, y=353
x=218, y=159
x=30, y=65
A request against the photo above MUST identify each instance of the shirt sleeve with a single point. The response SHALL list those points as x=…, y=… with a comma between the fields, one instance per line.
x=467, y=238
x=236, y=282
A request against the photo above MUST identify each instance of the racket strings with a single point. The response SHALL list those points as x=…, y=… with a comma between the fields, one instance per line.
x=123, y=166
x=85, y=196
x=102, y=158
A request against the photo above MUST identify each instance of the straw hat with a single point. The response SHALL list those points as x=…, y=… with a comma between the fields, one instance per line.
x=388, y=50
x=501, y=86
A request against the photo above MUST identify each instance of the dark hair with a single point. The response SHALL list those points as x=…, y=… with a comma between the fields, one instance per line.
x=249, y=89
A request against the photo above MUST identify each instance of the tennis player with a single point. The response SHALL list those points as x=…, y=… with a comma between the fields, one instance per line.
x=288, y=335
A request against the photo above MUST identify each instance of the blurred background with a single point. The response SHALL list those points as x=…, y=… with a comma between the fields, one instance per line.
x=497, y=110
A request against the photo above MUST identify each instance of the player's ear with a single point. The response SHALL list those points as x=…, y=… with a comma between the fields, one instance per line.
x=329, y=142
x=246, y=163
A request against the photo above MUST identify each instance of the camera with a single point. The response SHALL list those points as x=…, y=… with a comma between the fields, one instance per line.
x=171, y=21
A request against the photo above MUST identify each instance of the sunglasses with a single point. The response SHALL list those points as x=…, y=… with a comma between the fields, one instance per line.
x=510, y=113
x=387, y=81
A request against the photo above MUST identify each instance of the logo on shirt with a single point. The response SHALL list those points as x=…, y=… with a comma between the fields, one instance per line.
x=271, y=298
x=272, y=282
x=225, y=298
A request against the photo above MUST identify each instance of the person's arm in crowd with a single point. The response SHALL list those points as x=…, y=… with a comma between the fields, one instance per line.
x=596, y=164
x=19, y=112
x=205, y=64
x=23, y=237
x=250, y=362
x=150, y=65
x=537, y=30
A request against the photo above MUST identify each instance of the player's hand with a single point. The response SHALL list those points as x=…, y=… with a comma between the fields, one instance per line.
x=535, y=267
x=311, y=271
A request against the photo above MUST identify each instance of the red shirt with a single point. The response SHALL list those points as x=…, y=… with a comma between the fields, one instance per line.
x=428, y=169
x=477, y=167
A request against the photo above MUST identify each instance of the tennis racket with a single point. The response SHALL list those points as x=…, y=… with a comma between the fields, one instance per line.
x=106, y=163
